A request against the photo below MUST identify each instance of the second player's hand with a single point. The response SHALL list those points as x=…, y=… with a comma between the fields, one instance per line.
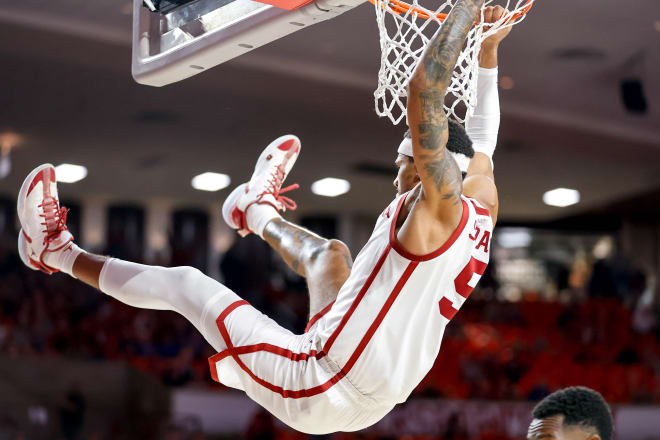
x=491, y=15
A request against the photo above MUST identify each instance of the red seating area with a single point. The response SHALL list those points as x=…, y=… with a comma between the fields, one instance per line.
x=537, y=347
x=492, y=350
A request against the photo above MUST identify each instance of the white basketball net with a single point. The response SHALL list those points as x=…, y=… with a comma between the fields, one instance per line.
x=405, y=32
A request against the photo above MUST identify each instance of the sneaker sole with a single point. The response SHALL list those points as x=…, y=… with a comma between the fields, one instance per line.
x=25, y=188
x=227, y=209
x=283, y=143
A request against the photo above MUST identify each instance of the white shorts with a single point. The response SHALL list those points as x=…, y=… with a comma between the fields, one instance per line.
x=288, y=374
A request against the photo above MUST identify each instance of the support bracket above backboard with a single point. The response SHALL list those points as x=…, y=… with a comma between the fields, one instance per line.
x=199, y=35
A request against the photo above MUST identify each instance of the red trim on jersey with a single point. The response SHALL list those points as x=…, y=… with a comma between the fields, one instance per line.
x=296, y=394
x=479, y=210
x=318, y=316
x=381, y=315
x=356, y=301
x=394, y=241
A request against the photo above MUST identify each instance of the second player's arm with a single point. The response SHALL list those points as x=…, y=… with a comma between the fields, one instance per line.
x=441, y=180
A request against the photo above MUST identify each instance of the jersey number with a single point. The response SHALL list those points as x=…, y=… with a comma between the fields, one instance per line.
x=462, y=287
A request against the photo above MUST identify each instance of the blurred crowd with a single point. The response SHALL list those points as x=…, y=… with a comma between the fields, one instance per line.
x=492, y=350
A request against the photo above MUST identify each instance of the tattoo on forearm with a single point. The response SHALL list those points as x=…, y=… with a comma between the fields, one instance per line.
x=441, y=55
x=433, y=122
x=431, y=80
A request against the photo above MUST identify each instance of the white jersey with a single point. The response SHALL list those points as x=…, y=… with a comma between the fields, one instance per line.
x=387, y=323
x=368, y=350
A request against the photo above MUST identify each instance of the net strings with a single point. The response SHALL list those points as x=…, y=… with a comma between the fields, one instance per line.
x=404, y=34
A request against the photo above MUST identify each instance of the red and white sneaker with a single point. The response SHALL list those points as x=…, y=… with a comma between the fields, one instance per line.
x=265, y=186
x=43, y=221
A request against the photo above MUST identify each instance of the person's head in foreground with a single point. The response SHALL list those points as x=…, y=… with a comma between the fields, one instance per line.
x=575, y=413
x=458, y=143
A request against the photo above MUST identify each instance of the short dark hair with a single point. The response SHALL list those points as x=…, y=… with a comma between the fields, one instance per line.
x=458, y=141
x=580, y=406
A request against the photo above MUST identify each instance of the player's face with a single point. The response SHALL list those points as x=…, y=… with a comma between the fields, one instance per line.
x=407, y=177
x=552, y=428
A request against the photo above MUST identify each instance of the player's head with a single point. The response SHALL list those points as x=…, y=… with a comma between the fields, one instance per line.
x=458, y=143
x=575, y=413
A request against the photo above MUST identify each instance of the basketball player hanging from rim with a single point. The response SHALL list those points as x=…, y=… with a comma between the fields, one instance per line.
x=377, y=326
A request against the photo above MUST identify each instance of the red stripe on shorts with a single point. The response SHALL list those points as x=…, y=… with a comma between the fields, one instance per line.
x=270, y=348
x=309, y=392
x=318, y=316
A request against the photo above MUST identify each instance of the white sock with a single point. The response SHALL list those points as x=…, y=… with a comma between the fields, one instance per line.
x=185, y=290
x=258, y=216
x=63, y=260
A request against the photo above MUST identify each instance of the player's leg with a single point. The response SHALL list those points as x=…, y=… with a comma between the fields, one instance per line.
x=185, y=290
x=326, y=264
x=254, y=207
x=274, y=364
x=45, y=244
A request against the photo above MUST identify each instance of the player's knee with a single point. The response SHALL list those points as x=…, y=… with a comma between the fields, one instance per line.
x=337, y=247
x=336, y=252
x=187, y=276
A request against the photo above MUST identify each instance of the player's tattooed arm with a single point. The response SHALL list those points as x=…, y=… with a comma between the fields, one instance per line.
x=440, y=176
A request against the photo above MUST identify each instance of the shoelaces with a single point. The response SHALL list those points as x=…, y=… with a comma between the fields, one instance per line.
x=274, y=184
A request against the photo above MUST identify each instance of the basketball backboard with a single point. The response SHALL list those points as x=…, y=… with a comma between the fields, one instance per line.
x=176, y=39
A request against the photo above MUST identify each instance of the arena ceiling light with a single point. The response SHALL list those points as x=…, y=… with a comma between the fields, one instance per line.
x=210, y=181
x=331, y=187
x=561, y=197
x=514, y=238
x=70, y=173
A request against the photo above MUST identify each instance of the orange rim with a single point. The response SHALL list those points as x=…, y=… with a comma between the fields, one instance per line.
x=401, y=7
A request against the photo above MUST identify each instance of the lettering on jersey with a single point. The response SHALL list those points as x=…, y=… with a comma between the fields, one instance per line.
x=447, y=308
x=462, y=281
x=485, y=241
x=464, y=284
x=476, y=232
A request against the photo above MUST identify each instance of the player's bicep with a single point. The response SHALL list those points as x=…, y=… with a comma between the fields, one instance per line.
x=429, y=129
x=482, y=188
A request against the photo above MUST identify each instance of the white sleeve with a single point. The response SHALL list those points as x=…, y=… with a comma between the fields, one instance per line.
x=483, y=126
